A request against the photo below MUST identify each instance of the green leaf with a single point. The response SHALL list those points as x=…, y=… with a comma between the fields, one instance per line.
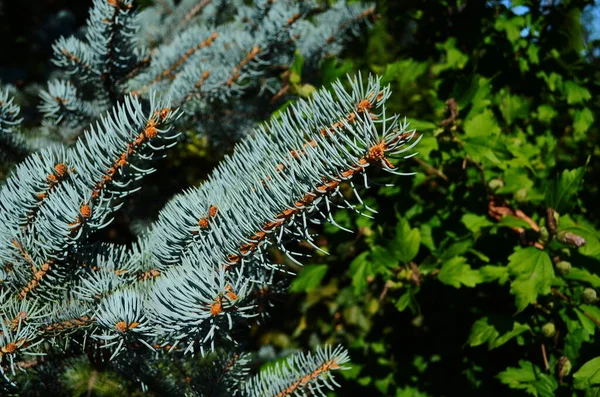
x=309, y=278
x=456, y=248
x=360, y=269
x=554, y=81
x=494, y=273
x=583, y=119
x=573, y=342
x=511, y=221
x=332, y=69
x=515, y=179
x=421, y=125
x=513, y=107
x=575, y=93
x=382, y=256
x=584, y=276
x=530, y=378
x=404, y=300
x=545, y=113
x=512, y=27
x=588, y=375
x=456, y=272
x=533, y=272
x=482, y=140
x=352, y=371
x=427, y=144
x=426, y=231
x=383, y=384
x=455, y=59
x=484, y=124
x=533, y=54
x=495, y=331
x=406, y=244
x=589, y=316
x=475, y=222
x=478, y=96
x=404, y=72
x=561, y=193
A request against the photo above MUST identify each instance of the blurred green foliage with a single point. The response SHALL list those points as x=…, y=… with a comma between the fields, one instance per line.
x=472, y=278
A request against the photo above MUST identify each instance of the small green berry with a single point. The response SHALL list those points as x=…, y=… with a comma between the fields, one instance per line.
x=549, y=330
x=521, y=194
x=544, y=235
x=496, y=184
x=563, y=267
x=563, y=367
x=589, y=296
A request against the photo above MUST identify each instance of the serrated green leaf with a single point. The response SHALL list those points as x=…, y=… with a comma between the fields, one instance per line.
x=513, y=107
x=511, y=26
x=483, y=124
x=576, y=93
x=545, y=113
x=561, y=193
x=494, y=273
x=530, y=378
x=383, y=257
x=360, y=268
x=478, y=96
x=533, y=273
x=406, y=244
x=426, y=231
x=475, y=222
x=588, y=375
x=404, y=72
x=455, y=59
x=495, y=331
x=573, y=342
x=482, y=141
x=404, y=300
x=456, y=248
x=584, y=276
x=457, y=272
x=583, y=119
x=554, y=81
x=309, y=278
x=515, y=179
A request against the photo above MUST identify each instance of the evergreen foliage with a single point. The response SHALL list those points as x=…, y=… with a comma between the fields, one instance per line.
x=187, y=291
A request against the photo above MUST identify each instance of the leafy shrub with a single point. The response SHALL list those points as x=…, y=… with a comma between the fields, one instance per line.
x=479, y=275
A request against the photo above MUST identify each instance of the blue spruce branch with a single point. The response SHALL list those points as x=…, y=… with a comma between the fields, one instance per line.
x=201, y=274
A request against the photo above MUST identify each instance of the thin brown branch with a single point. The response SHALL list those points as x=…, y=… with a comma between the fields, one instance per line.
x=545, y=358
x=430, y=169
